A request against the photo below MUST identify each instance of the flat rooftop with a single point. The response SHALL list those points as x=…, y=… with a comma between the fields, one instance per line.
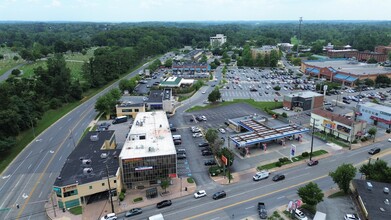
x=382, y=108
x=259, y=132
x=347, y=66
x=304, y=94
x=149, y=136
x=73, y=170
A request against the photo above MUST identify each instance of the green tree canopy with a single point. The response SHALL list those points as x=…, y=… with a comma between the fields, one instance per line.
x=214, y=95
x=227, y=153
x=165, y=183
x=311, y=194
x=211, y=136
x=204, y=59
x=372, y=131
x=168, y=63
x=343, y=175
x=378, y=171
x=106, y=103
x=382, y=79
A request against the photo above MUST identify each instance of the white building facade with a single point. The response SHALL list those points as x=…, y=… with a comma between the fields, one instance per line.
x=218, y=40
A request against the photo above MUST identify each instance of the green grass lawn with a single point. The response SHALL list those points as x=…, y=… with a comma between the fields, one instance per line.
x=8, y=62
x=28, y=68
x=255, y=104
x=80, y=56
x=78, y=210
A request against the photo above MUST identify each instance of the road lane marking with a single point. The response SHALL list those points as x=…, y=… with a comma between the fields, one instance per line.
x=60, y=158
x=47, y=166
x=29, y=167
x=281, y=197
x=250, y=207
x=40, y=195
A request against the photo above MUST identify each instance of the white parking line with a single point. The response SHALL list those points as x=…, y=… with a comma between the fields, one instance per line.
x=250, y=207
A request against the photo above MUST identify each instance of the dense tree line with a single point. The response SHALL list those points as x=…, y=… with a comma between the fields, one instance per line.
x=24, y=100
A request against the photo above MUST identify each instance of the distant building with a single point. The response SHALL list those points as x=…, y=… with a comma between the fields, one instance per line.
x=266, y=49
x=149, y=154
x=303, y=101
x=191, y=69
x=344, y=71
x=84, y=174
x=383, y=49
x=194, y=55
x=328, y=47
x=161, y=100
x=218, y=40
x=375, y=114
x=337, y=125
x=287, y=47
x=379, y=55
x=130, y=106
x=372, y=199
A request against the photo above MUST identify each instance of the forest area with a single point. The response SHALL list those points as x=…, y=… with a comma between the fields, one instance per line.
x=123, y=46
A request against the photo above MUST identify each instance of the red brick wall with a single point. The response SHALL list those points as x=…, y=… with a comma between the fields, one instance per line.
x=317, y=102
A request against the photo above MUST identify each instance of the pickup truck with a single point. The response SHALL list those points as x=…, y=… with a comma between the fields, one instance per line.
x=262, y=210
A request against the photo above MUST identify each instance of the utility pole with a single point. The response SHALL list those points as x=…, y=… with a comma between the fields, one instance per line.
x=312, y=138
x=299, y=35
x=111, y=196
x=54, y=210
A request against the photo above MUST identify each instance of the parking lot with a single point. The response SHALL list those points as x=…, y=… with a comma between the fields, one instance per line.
x=258, y=84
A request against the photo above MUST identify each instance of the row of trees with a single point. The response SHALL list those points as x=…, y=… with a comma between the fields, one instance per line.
x=24, y=100
x=261, y=60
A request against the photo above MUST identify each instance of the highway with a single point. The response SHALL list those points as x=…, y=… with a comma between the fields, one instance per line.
x=28, y=180
x=243, y=197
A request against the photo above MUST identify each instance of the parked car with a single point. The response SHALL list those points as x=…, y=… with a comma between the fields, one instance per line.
x=205, y=144
x=181, y=156
x=199, y=194
x=219, y=195
x=163, y=204
x=346, y=101
x=300, y=215
x=374, y=151
x=278, y=177
x=133, y=212
x=210, y=163
x=207, y=153
x=351, y=217
x=312, y=162
x=195, y=135
x=222, y=130
x=330, y=109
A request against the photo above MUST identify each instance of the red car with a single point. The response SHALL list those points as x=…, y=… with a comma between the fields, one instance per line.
x=312, y=163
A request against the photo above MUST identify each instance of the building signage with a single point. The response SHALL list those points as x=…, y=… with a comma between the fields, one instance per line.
x=224, y=159
x=329, y=124
x=143, y=168
x=69, y=188
x=132, y=160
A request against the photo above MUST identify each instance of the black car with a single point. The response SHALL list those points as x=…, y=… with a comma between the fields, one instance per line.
x=133, y=212
x=346, y=101
x=163, y=204
x=173, y=129
x=207, y=153
x=205, y=144
x=278, y=177
x=210, y=163
x=330, y=109
x=374, y=151
x=219, y=195
x=312, y=162
x=181, y=156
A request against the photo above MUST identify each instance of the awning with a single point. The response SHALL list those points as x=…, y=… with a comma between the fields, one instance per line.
x=340, y=76
x=380, y=120
x=312, y=70
x=351, y=79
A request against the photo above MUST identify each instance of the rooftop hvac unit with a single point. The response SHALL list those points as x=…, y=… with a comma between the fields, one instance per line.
x=87, y=171
x=94, y=137
x=87, y=162
x=103, y=155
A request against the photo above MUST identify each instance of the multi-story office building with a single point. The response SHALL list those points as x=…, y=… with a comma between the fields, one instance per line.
x=148, y=155
x=218, y=40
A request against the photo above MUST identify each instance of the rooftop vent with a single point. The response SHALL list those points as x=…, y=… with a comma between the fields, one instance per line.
x=369, y=186
x=87, y=171
x=103, y=155
x=87, y=162
x=151, y=149
x=94, y=137
x=387, y=202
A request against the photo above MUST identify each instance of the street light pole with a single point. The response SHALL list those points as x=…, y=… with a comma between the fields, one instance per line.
x=312, y=138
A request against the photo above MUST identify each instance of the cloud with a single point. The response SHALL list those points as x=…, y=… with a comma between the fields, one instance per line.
x=54, y=4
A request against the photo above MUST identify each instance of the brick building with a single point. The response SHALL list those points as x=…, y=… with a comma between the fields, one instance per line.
x=303, y=101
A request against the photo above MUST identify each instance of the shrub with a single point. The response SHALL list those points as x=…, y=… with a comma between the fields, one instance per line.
x=278, y=164
x=121, y=196
x=138, y=199
x=364, y=139
x=190, y=180
x=55, y=103
x=309, y=208
x=214, y=170
x=284, y=115
x=305, y=154
x=123, y=190
x=388, y=131
x=281, y=160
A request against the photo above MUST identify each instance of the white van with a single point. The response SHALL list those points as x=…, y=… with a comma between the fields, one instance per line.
x=110, y=216
x=177, y=137
x=261, y=175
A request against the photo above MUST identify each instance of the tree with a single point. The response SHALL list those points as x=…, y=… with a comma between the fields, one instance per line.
x=389, y=56
x=311, y=194
x=168, y=63
x=204, y=59
x=343, y=175
x=217, y=62
x=214, y=95
x=6, y=144
x=15, y=72
x=372, y=60
x=382, y=79
x=369, y=82
x=372, y=131
x=378, y=171
x=165, y=183
x=211, y=135
x=317, y=47
x=274, y=57
x=106, y=103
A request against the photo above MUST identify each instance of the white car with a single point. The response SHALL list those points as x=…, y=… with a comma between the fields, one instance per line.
x=195, y=135
x=110, y=216
x=199, y=194
x=203, y=92
x=351, y=217
x=222, y=130
x=389, y=139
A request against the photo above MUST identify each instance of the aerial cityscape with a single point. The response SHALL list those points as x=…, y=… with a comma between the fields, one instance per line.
x=218, y=110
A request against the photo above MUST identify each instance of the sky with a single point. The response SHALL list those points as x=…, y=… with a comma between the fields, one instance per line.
x=192, y=10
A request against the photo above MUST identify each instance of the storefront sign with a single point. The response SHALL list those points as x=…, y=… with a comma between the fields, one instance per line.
x=143, y=168
x=69, y=188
